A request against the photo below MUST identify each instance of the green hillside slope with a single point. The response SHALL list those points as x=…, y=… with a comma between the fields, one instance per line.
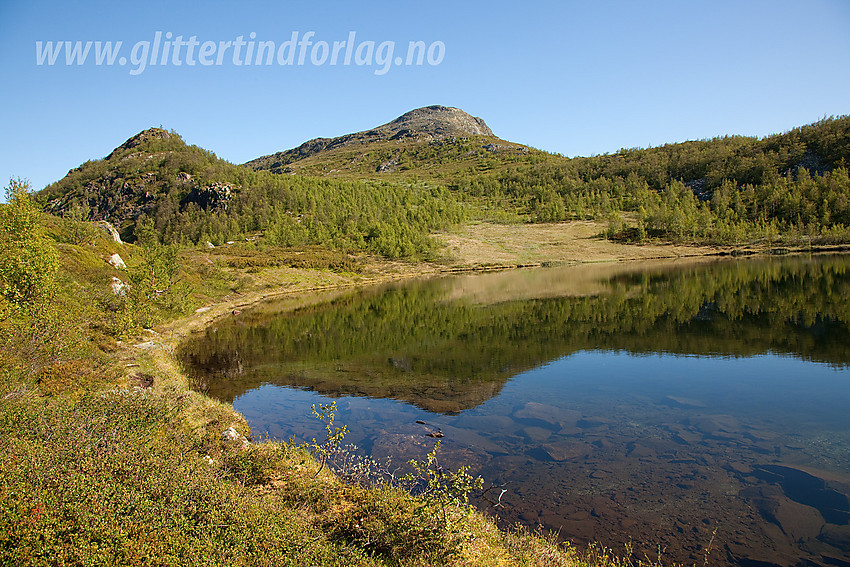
x=383, y=190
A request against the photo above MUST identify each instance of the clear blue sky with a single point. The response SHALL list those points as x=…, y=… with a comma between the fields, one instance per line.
x=577, y=78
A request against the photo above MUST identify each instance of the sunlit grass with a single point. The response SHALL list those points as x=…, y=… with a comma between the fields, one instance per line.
x=96, y=469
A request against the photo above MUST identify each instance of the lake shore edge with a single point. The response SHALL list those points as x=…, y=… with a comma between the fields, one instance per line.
x=168, y=336
x=378, y=274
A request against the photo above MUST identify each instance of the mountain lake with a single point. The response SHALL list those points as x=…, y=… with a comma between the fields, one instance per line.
x=699, y=409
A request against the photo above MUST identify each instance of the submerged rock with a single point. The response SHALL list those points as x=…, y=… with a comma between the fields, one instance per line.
x=546, y=415
x=807, y=489
x=563, y=451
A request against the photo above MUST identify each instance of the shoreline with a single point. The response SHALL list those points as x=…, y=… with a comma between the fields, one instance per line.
x=158, y=356
x=154, y=349
x=205, y=315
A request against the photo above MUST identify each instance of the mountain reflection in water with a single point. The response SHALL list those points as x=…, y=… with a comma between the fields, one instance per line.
x=660, y=402
x=449, y=344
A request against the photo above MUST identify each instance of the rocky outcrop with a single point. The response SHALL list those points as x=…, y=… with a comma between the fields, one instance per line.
x=140, y=139
x=116, y=262
x=812, y=163
x=427, y=124
x=110, y=230
x=118, y=196
x=231, y=436
x=211, y=197
x=111, y=197
x=435, y=122
x=388, y=166
x=119, y=288
x=701, y=188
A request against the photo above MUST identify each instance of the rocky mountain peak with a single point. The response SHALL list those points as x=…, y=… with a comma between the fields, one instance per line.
x=438, y=122
x=141, y=138
x=427, y=124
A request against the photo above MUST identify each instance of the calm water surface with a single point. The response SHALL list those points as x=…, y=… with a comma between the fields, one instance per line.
x=675, y=405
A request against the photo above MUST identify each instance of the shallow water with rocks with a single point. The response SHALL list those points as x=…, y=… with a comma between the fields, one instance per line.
x=700, y=411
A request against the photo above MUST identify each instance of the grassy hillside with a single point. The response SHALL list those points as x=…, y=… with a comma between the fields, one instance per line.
x=384, y=195
x=108, y=458
x=191, y=196
x=405, y=159
x=730, y=189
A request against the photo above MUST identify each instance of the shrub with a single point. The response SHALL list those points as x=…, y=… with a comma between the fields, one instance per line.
x=28, y=259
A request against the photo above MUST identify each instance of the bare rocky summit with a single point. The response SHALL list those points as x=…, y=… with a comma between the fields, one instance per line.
x=435, y=122
x=427, y=124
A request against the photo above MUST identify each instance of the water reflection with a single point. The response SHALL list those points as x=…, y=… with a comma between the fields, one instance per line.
x=450, y=344
x=663, y=403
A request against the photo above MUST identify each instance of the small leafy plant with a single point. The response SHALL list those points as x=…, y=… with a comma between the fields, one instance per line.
x=440, y=490
x=326, y=414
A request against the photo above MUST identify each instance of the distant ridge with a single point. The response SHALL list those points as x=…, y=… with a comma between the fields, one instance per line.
x=427, y=124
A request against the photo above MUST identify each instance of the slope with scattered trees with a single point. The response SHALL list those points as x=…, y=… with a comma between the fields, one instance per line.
x=384, y=192
x=191, y=196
